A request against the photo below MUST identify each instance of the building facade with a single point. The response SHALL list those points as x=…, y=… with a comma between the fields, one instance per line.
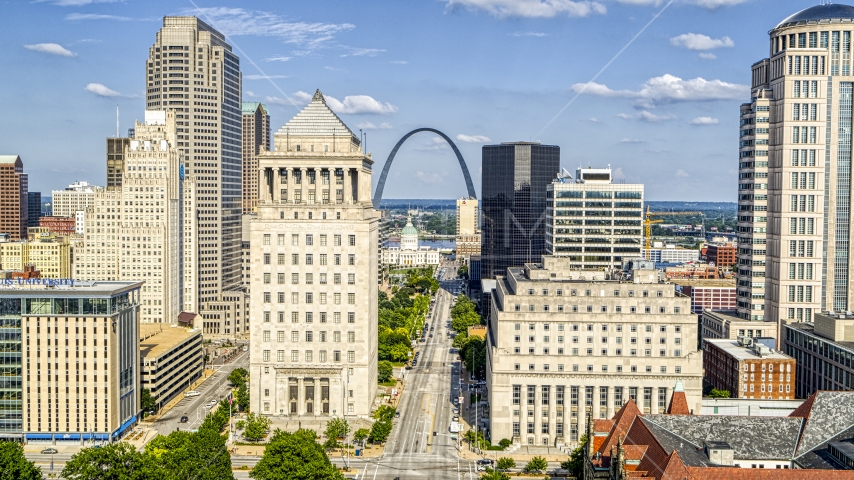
x=824, y=351
x=172, y=359
x=468, y=237
x=671, y=254
x=748, y=369
x=313, y=293
x=192, y=71
x=34, y=208
x=593, y=222
x=715, y=325
x=14, y=209
x=133, y=233
x=70, y=392
x=721, y=255
x=76, y=197
x=410, y=254
x=256, y=138
x=717, y=295
x=48, y=253
x=514, y=182
x=564, y=343
x=116, y=161
x=62, y=226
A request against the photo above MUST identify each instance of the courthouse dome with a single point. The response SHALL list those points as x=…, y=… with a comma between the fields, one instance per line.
x=819, y=13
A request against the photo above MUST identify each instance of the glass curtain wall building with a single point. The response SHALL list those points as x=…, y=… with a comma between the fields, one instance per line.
x=515, y=178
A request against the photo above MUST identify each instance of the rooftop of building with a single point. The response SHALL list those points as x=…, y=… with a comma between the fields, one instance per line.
x=157, y=339
x=741, y=352
x=9, y=158
x=61, y=288
x=729, y=316
x=317, y=120
x=809, y=327
x=819, y=13
x=249, y=108
x=705, y=282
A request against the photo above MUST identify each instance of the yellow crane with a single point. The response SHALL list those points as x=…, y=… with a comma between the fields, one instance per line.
x=648, y=221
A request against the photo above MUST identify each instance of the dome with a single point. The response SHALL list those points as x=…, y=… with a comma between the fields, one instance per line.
x=819, y=13
x=409, y=229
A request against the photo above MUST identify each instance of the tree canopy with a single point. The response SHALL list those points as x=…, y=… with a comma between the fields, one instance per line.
x=13, y=465
x=295, y=456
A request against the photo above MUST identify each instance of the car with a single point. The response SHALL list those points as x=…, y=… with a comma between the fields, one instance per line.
x=185, y=419
x=431, y=329
x=456, y=418
x=431, y=335
x=192, y=393
x=396, y=414
x=484, y=461
x=50, y=451
x=480, y=468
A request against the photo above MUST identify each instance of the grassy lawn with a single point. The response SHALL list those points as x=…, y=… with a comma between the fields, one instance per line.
x=389, y=383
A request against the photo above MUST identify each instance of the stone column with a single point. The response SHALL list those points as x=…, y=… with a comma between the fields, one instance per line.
x=262, y=185
x=303, y=183
x=668, y=397
x=596, y=402
x=300, y=396
x=289, y=185
x=611, y=407
x=276, y=191
x=348, y=187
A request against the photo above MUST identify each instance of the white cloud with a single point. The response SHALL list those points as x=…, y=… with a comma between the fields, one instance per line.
x=715, y=4
x=669, y=88
x=75, y=3
x=362, y=52
x=593, y=120
x=473, y=138
x=631, y=140
x=435, y=144
x=399, y=62
x=51, y=48
x=528, y=34
x=645, y=116
x=371, y=126
x=698, y=41
x=708, y=56
x=282, y=101
x=238, y=21
x=249, y=93
x=432, y=178
x=101, y=90
x=335, y=69
x=682, y=173
x=264, y=77
x=352, y=104
x=618, y=174
x=530, y=8
x=704, y=121
x=95, y=16
x=277, y=58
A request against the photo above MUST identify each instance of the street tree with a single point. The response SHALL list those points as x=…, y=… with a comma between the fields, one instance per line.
x=116, y=461
x=335, y=429
x=295, y=456
x=202, y=455
x=238, y=376
x=13, y=464
x=575, y=464
x=361, y=435
x=490, y=474
x=380, y=431
x=506, y=463
x=147, y=402
x=384, y=370
x=256, y=427
x=537, y=465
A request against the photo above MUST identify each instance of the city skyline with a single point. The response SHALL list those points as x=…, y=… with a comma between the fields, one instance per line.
x=664, y=99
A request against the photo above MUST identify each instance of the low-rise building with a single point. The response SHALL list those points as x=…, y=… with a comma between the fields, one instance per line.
x=562, y=342
x=71, y=360
x=671, y=254
x=709, y=294
x=63, y=226
x=722, y=255
x=728, y=325
x=466, y=246
x=824, y=350
x=812, y=443
x=748, y=369
x=48, y=253
x=410, y=254
x=172, y=358
x=750, y=407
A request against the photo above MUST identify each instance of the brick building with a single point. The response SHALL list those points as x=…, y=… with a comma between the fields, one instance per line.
x=14, y=211
x=749, y=369
x=721, y=255
x=709, y=294
x=62, y=226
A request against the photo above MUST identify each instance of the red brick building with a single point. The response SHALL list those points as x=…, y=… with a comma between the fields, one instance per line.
x=722, y=255
x=748, y=370
x=718, y=295
x=28, y=273
x=13, y=198
x=62, y=226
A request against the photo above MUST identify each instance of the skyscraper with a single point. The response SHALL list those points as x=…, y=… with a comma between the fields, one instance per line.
x=115, y=161
x=594, y=222
x=468, y=229
x=256, y=138
x=34, y=208
x=134, y=233
x=313, y=293
x=13, y=197
x=515, y=177
x=192, y=71
x=795, y=171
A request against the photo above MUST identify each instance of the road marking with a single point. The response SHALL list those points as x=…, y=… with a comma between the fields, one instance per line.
x=376, y=470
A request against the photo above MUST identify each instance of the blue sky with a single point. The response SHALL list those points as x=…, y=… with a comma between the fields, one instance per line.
x=663, y=113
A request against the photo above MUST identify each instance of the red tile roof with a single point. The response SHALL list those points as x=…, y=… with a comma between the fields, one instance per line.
x=678, y=404
x=622, y=421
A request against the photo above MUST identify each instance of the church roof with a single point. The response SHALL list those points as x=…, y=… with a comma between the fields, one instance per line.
x=317, y=120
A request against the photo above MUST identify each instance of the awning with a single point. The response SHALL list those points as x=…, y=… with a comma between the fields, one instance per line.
x=39, y=436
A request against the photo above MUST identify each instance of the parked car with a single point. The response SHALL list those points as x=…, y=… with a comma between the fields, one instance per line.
x=184, y=419
x=50, y=451
x=484, y=461
x=396, y=414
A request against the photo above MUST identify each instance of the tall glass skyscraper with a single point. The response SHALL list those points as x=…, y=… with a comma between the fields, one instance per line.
x=515, y=177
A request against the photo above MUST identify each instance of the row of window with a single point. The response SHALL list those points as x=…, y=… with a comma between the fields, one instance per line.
x=801, y=226
x=809, y=88
x=309, y=278
x=602, y=309
x=590, y=293
x=761, y=388
x=604, y=327
x=309, y=239
x=308, y=356
x=801, y=248
x=309, y=317
x=308, y=336
x=632, y=340
x=802, y=203
x=309, y=298
x=800, y=293
x=603, y=368
x=323, y=259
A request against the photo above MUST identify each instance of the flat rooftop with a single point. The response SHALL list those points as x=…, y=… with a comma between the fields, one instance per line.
x=699, y=282
x=61, y=288
x=810, y=328
x=730, y=316
x=157, y=339
x=745, y=353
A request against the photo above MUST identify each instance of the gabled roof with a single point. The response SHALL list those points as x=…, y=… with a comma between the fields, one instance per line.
x=678, y=404
x=826, y=414
x=316, y=120
x=674, y=469
x=622, y=421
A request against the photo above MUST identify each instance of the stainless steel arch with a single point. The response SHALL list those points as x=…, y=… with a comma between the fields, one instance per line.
x=378, y=195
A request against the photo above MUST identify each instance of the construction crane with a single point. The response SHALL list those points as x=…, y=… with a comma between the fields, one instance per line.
x=648, y=221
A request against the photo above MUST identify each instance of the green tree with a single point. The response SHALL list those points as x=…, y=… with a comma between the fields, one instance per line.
x=715, y=393
x=380, y=431
x=463, y=271
x=537, y=465
x=117, y=461
x=385, y=412
x=238, y=376
x=505, y=442
x=256, y=427
x=147, y=402
x=361, y=435
x=384, y=370
x=490, y=474
x=506, y=463
x=295, y=456
x=180, y=455
x=242, y=399
x=13, y=465
x=335, y=429
x=575, y=464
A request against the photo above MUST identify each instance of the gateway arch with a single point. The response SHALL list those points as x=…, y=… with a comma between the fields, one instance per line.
x=378, y=195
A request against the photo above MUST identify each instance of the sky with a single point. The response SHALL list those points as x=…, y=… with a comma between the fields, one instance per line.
x=650, y=87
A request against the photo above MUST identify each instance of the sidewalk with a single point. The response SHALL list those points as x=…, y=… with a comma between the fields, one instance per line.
x=153, y=418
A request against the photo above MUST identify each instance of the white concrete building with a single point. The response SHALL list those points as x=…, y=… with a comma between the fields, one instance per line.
x=671, y=254
x=73, y=200
x=593, y=222
x=313, y=263
x=410, y=254
x=563, y=342
x=134, y=233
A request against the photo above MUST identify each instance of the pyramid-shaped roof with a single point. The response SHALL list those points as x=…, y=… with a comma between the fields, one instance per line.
x=317, y=120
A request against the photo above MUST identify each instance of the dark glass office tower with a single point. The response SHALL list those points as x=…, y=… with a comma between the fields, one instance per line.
x=515, y=176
